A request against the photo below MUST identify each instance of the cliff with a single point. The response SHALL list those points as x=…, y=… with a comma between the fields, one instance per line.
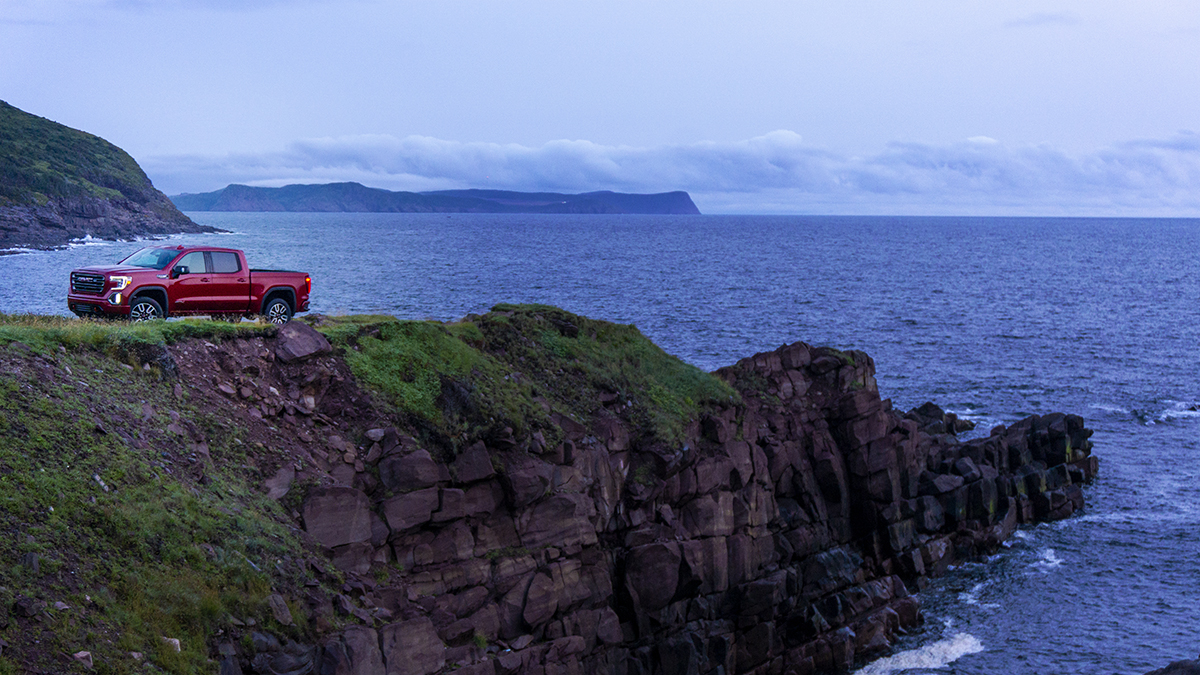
x=522, y=491
x=357, y=198
x=59, y=184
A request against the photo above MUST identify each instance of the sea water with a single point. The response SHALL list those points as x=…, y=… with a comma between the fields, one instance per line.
x=992, y=318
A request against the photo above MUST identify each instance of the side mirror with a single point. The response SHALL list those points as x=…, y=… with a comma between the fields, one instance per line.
x=178, y=271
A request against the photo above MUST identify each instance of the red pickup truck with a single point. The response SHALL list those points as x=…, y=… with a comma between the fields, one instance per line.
x=162, y=281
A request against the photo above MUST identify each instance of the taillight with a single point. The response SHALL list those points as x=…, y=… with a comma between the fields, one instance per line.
x=307, y=285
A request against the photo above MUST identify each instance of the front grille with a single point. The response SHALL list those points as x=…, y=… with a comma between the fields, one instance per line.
x=92, y=284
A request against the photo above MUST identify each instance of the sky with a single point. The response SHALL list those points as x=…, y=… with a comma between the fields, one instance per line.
x=944, y=107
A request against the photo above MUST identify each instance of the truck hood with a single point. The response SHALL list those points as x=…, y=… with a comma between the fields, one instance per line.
x=117, y=269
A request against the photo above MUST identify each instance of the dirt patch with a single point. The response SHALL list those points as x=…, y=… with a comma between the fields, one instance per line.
x=309, y=415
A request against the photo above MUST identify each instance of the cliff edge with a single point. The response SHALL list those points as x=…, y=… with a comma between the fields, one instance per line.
x=524, y=491
x=59, y=184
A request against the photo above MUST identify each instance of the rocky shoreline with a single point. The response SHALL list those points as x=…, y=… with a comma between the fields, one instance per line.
x=787, y=534
x=60, y=222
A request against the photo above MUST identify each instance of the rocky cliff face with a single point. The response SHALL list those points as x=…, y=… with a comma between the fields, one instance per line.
x=59, y=184
x=786, y=533
x=526, y=491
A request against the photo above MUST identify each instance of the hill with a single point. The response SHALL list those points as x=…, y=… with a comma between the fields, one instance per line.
x=358, y=198
x=58, y=184
x=521, y=491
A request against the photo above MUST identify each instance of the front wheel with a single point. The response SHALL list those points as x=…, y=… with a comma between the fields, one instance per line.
x=278, y=312
x=144, y=309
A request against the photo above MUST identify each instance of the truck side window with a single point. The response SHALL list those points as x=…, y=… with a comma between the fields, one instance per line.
x=194, y=261
x=224, y=262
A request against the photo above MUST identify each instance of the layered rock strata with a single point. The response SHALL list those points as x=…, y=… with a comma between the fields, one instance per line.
x=786, y=534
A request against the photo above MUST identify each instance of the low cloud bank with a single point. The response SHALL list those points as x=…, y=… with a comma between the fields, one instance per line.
x=775, y=173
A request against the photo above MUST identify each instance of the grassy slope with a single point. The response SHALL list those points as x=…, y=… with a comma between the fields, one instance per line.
x=473, y=378
x=161, y=552
x=177, y=545
x=41, y=160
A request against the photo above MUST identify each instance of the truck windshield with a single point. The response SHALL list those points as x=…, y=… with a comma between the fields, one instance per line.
x=151, y=258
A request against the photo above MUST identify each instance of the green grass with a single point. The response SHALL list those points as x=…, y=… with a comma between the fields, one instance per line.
x=471, y=378
x=44, y=333
x=158, y=554
x=41, y=160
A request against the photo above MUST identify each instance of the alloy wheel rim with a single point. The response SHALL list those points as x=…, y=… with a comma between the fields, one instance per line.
x=277, y=313
x=144, y=312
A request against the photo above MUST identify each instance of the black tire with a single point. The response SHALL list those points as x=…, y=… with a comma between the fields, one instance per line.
x=144, y=309
x=278, y=311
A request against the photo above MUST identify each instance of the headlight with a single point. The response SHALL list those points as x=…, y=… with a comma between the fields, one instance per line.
x=119, y=283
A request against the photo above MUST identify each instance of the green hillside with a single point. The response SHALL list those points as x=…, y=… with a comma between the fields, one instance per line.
x=59, y=184
x=41, y=160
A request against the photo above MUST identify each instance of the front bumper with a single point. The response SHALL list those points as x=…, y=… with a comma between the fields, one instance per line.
x=97, y=306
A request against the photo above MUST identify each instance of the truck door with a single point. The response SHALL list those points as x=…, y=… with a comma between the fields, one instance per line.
x=230, y=291
x=190, y=291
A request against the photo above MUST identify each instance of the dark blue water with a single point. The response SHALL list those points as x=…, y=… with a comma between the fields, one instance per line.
x=992, y=318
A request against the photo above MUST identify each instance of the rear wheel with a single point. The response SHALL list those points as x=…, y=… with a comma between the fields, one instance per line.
x=144, y=309
x=278, y=311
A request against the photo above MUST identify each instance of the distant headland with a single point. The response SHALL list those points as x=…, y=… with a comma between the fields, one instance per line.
x=358, y=198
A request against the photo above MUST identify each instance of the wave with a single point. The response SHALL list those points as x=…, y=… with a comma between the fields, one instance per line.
x=936, y=655
x=1047, y=560
x=1179, y=410
x=971, y=597
x=89, y=240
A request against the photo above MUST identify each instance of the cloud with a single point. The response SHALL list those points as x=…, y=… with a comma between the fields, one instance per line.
x=1045, y=19
x=776, y=172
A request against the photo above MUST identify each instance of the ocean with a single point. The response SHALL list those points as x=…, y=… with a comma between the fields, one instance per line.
x=991, y=318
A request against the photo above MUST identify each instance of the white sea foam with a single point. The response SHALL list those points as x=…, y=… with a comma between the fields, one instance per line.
x=88, y=240
x=1047, y=560
x=971, y=597
x=1179, y=410
x=935, y=655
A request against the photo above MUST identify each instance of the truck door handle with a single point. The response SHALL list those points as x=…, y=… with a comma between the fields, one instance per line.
x=205, y=280
x=241, y=281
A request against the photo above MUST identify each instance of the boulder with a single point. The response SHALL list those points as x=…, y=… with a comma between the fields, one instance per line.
x=562, y=520
x=335, y=516
x=297, y=341
x=1179, y=668
x=412, y=648
x=966, y=468
x=279, y=484
x=409, y=510
x=279, y=609
x=355, y=557
x=413, y=471
x=354, y=652
x=652, y=575
x=472, y=464
x=541, y=600
x=525, y=479
x=709, y=515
